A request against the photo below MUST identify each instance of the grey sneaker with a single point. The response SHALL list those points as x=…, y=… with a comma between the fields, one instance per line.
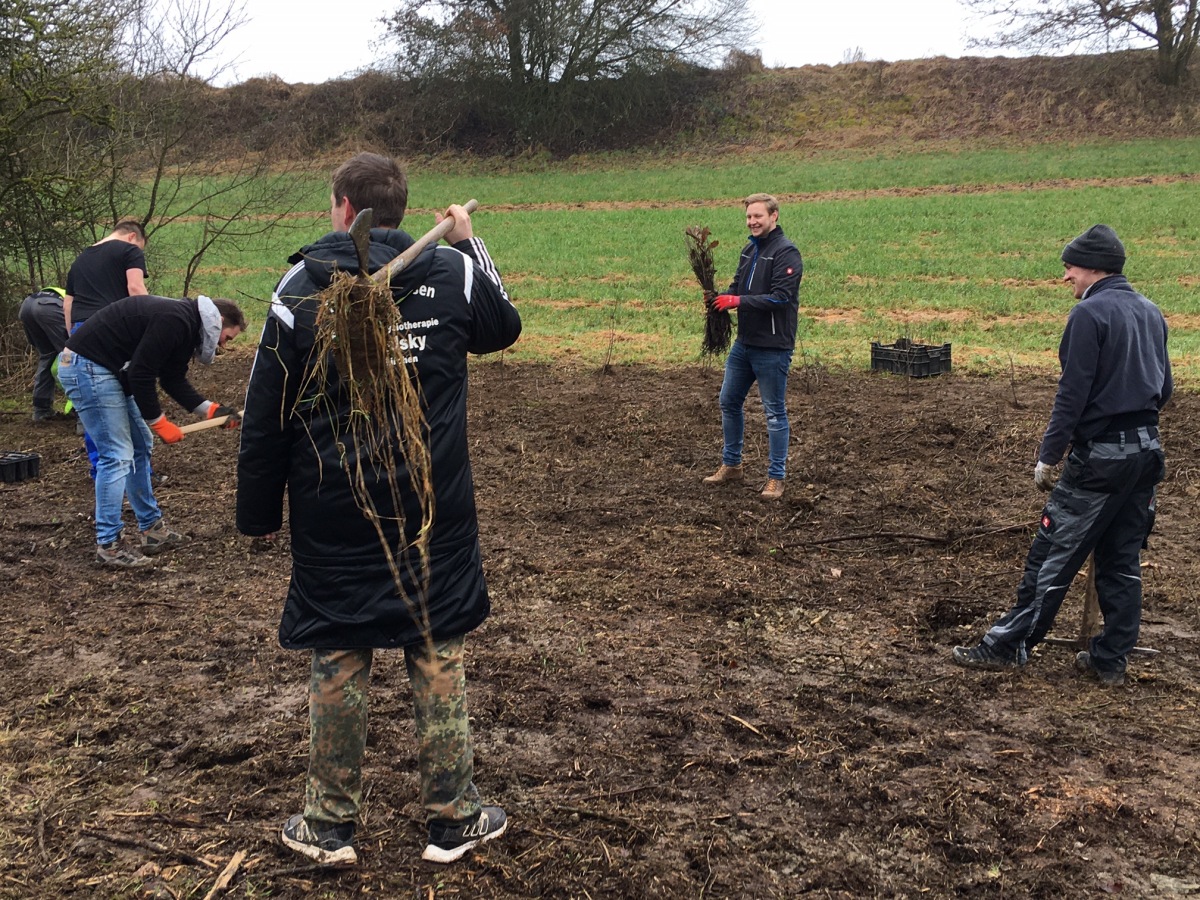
x=158, y=537
x=449, y=841
x=329, y=845
x=981, y=656
x=115, y=554
x=1084, y=664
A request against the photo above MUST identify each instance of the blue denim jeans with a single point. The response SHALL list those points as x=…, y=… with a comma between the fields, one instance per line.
x=122, y=439
x=769, y=367
x=92, y=453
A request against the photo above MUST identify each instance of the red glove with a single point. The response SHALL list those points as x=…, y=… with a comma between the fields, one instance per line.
x=726, y=301
x=217, y=410
x=167, y=430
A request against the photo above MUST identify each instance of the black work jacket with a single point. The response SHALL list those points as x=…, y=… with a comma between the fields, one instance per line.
x=342, y=593
x=768, y=283
x=1115, y=370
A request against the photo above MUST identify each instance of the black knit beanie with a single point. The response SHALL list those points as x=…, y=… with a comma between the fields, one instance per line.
x=1097, y=248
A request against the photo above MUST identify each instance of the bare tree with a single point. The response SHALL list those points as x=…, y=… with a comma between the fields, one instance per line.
x=1172, y=27
x=167, y=164
x=563, y=41
x=560, y=74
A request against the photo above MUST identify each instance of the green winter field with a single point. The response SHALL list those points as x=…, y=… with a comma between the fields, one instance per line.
x=958, y=247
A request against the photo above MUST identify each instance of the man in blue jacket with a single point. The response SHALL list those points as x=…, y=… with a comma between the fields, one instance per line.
x=1115, y=378
x=766, y=294
x=343, y=601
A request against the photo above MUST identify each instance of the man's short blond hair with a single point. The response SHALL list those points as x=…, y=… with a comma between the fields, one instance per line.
x=768, y=199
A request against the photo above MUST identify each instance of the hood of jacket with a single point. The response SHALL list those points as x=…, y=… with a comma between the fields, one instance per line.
x=336, y=252
x=210, y=330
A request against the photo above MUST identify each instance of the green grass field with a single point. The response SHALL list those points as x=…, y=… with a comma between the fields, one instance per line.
x=957, y=247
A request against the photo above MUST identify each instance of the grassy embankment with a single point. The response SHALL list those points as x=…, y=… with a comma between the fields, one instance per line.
x=939, y=246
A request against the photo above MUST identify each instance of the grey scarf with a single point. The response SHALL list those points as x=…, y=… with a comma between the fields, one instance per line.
x=210, y=330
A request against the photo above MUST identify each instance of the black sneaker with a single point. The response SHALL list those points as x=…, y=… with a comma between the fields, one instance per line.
x=451, y=841
x=1084, y=664
x=329, y=845
x=981, y=656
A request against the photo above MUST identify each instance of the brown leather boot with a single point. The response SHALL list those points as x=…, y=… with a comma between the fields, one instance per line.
x=773, y=490
x=725, y=473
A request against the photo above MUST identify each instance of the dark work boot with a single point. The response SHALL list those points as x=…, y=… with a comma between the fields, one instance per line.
x=981, y=656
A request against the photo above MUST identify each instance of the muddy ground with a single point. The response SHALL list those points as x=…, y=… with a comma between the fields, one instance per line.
x=683, y=691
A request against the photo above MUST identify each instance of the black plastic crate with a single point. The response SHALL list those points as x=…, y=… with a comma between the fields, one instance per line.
x=906, y=358
x=19, y=466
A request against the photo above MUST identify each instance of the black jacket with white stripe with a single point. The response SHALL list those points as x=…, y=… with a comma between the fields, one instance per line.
x=342, y=593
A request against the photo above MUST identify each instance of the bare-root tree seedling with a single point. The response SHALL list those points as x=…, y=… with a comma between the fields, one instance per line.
x=718, y=329
x=606, y=366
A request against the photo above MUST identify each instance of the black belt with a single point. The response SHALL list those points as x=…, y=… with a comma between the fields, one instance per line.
x=1128, y=436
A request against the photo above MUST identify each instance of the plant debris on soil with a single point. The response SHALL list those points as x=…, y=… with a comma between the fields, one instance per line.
x=683, y=690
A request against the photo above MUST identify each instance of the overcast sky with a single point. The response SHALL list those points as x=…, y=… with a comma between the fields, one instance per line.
x=309, y=41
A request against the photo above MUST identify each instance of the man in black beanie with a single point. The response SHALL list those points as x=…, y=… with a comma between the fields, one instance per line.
x=1098, y=249
x=1115, y=379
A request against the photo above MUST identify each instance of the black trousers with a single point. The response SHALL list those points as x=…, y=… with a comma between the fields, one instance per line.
x=46, y=329
x=1103, y=503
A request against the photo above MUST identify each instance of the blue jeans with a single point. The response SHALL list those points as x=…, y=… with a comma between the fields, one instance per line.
x=769, y=367
x=122, y=439
x=92, y=453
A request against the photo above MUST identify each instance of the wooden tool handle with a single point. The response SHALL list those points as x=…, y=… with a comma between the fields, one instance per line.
x=1092, y=622
x=205, y=424
x=385, y=274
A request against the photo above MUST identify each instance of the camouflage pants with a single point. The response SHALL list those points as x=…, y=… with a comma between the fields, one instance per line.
x=337, y=709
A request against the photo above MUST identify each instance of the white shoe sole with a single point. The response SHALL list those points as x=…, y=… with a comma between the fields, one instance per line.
x=343, y=856
x=434, y=853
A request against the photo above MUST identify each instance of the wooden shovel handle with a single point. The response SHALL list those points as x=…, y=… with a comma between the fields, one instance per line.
x=1091, y=623
x=385, y=274
x=205, y=424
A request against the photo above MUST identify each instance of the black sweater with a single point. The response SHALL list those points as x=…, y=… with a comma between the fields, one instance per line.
x=144, y=340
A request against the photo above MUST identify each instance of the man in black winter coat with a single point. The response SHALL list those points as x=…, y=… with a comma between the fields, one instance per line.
x=343, y=601
x=1116, y=376
x=766, y=294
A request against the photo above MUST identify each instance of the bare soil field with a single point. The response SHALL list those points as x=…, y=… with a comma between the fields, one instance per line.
x=682, y=691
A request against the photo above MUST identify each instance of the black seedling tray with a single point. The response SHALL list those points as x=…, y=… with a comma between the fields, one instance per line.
x=906, y=358
x=19, y=466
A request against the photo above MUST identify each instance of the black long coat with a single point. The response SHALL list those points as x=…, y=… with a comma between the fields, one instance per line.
x=342, y=594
